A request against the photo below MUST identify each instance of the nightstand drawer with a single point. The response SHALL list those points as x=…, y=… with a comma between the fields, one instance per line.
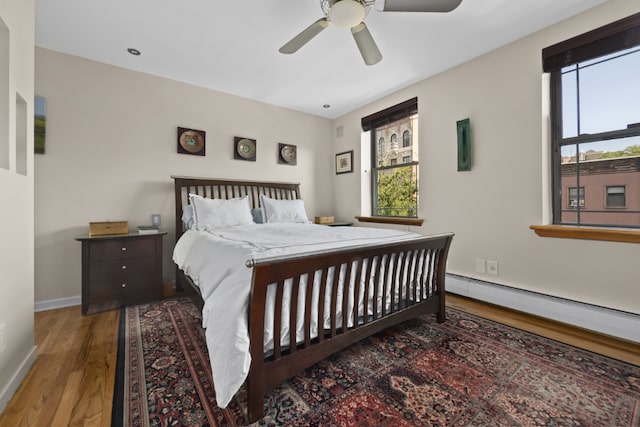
x=125, y=290
x=121, y=249
x=121, y=267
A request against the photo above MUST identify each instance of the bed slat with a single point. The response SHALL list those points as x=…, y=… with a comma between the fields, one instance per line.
x=277, y=319
x=293, y=320
x=356, y=291
x=307, y=308
x=345, y=297
x=334, y=299
x=321, y=298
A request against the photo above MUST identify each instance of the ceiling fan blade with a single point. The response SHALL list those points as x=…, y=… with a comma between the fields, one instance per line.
x=417, y=5
x=368, y=48
x=303, y=38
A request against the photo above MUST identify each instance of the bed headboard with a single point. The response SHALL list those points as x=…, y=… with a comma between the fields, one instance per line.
x=213, y=188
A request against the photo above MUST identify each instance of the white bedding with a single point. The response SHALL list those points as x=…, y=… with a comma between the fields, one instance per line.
x=215, y=261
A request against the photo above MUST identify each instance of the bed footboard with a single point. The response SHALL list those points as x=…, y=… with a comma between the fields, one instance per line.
x=394, y=282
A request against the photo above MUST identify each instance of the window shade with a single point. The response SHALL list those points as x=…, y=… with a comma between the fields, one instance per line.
x=618, y=35
x=390, y=114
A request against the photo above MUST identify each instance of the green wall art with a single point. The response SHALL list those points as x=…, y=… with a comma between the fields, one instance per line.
x=464, y=145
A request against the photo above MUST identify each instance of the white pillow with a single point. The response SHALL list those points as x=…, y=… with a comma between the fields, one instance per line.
x=283, y=210
x=213, y=213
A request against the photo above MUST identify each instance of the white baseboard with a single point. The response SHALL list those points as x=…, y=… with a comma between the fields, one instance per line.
x=594, y=318
x=52, y=304
x=8, y=391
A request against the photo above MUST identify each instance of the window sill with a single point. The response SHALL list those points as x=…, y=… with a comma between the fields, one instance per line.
x=391, y=220
x=586, y=233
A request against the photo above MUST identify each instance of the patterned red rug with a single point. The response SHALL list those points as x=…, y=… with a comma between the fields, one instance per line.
x=465, y=372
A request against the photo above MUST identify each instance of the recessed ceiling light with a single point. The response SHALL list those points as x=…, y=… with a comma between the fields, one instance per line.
x=133, y=51
x=326, y=106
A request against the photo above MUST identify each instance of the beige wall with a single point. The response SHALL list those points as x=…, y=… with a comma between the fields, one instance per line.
x=16, y=189
x=111, y=149
x=491, y=207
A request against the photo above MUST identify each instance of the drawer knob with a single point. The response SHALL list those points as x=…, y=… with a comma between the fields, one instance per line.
x=123, y=249
x=124, y=267
x=124, y=285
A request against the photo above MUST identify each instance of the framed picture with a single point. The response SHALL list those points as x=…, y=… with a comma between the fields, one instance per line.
x=344, y=162
x=287, y=154
x=244, y=149
x=40, y=124
x=464, y=145
x=191, y=141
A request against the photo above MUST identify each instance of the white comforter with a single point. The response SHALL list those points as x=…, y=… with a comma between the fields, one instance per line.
x=216, y=263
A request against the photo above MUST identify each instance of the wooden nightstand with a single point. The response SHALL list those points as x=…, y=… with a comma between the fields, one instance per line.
x=121, y=269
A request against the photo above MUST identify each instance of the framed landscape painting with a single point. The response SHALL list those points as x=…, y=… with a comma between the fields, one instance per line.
x=40, y=124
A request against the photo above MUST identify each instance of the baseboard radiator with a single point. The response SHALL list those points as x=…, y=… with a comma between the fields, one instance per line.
x=604, y=320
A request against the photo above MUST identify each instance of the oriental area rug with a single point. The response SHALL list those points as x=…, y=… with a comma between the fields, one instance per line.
x=467, y=371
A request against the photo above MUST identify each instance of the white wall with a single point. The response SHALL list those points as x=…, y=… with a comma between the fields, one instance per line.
x=491, y=207
x=111, y=149
x=16, y=212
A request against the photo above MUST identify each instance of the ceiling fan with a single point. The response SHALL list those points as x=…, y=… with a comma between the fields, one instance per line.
x=351, y=14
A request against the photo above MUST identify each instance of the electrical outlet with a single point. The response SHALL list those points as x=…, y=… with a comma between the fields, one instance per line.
x=3, y=337
x=155, y=220
x=492, y=268
x=480, y=266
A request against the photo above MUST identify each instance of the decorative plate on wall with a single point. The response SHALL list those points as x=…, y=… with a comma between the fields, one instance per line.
x=244, y=149
x=191, y=141
x=287, y=154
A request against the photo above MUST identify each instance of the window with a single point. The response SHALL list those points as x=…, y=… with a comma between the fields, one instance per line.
x=574, y=196
x=616, y=197
x=381, y=148
x=595, y=125
x=394, y=174
x=406, y=139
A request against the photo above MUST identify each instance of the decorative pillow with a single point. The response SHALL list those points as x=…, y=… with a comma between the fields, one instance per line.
x=187, y=217
x=283, y=210
x=258, y=215
x=213, y=213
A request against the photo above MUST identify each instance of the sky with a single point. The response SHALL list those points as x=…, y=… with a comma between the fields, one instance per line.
x=609, y=98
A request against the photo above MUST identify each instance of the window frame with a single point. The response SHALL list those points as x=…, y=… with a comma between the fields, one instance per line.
x=606, y=197
x=406, y=139
x=617, y=36
x=370, y=123
x=577, y=197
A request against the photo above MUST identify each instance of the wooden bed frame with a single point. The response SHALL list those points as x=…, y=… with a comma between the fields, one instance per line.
x=425, y=285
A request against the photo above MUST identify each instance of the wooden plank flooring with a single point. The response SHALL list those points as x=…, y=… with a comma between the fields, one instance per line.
x=71, y=383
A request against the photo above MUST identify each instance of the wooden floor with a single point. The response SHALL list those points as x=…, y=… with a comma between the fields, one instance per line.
x=71, y=382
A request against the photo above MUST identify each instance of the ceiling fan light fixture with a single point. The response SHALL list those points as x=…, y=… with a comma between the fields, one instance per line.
x=346, y=13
